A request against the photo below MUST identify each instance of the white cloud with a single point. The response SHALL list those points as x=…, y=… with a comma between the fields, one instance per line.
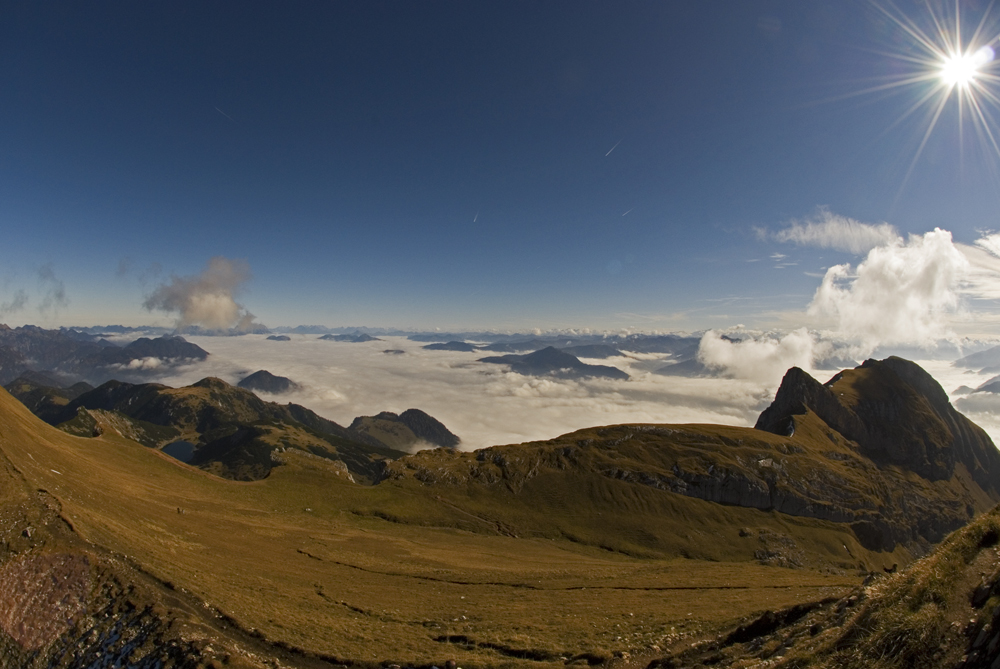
x=763, y=360
x=983, y=278
x=830, y=231
x=206, y=300
x=483, y=404
x=901, y=293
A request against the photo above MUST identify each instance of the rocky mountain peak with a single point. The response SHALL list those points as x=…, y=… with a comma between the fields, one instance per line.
x=895, y=412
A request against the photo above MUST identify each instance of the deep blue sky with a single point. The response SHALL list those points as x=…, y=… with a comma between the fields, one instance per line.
x=444, y=163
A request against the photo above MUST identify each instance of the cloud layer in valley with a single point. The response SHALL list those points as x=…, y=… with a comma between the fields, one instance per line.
x=483, y=404
x=487, y=405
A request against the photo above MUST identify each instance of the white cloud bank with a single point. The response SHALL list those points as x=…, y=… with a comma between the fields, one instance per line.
x=901, y=293
x=208, y=299
x=484, y=404
x=905, y=292
x=763, y=360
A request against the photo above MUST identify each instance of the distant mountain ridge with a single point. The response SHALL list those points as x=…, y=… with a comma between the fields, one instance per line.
x=232, y=431
x=266, y=382
x=76, y=356
x=554, y=362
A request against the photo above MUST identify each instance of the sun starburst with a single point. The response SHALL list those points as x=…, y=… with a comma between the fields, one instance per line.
x=946, y=67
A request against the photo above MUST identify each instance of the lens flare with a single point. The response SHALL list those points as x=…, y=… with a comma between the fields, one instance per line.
x=963, y=69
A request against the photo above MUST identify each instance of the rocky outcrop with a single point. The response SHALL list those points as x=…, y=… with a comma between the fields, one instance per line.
x=938, y=612
x=896, y=413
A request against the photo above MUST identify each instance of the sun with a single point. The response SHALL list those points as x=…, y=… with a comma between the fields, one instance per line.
x=940, y=64
x=962, y=69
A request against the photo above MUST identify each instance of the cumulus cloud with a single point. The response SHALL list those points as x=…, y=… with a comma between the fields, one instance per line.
x=763, y=359
x=830, y=231
x=207, y=299
x=53, y=290
x=901, y=293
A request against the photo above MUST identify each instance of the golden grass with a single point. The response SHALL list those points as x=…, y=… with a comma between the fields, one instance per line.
x=308, y=559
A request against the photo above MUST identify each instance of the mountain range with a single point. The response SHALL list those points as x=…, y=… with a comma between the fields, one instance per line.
x=228, y=430
x=73, y=356
x=622, y=546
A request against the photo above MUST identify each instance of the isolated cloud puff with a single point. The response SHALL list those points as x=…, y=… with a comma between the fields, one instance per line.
x=207, y=299
x=763, y=360
x=830, y=231
x=901, y=293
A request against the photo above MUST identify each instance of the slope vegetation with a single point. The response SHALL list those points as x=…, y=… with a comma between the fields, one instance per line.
x=942, y=611
x=614, y=545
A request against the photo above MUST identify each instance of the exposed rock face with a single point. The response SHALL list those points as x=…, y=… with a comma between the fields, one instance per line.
x=896, y=413
x=938, y=612
x=266, y=382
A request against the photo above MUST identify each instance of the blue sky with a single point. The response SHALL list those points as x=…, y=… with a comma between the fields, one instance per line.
x=463, y=164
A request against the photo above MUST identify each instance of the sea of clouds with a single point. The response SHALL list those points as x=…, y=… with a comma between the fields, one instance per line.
x=486, y=404
x=897, y=294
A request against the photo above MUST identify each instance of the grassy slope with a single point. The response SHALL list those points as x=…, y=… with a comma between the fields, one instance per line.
x=305, y=558
x=576, y=478
x=942, y=611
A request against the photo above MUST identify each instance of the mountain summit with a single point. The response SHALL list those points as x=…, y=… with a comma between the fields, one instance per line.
x=896, y=413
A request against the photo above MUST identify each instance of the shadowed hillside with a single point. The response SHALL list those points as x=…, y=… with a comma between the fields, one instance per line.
x=232, y=432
